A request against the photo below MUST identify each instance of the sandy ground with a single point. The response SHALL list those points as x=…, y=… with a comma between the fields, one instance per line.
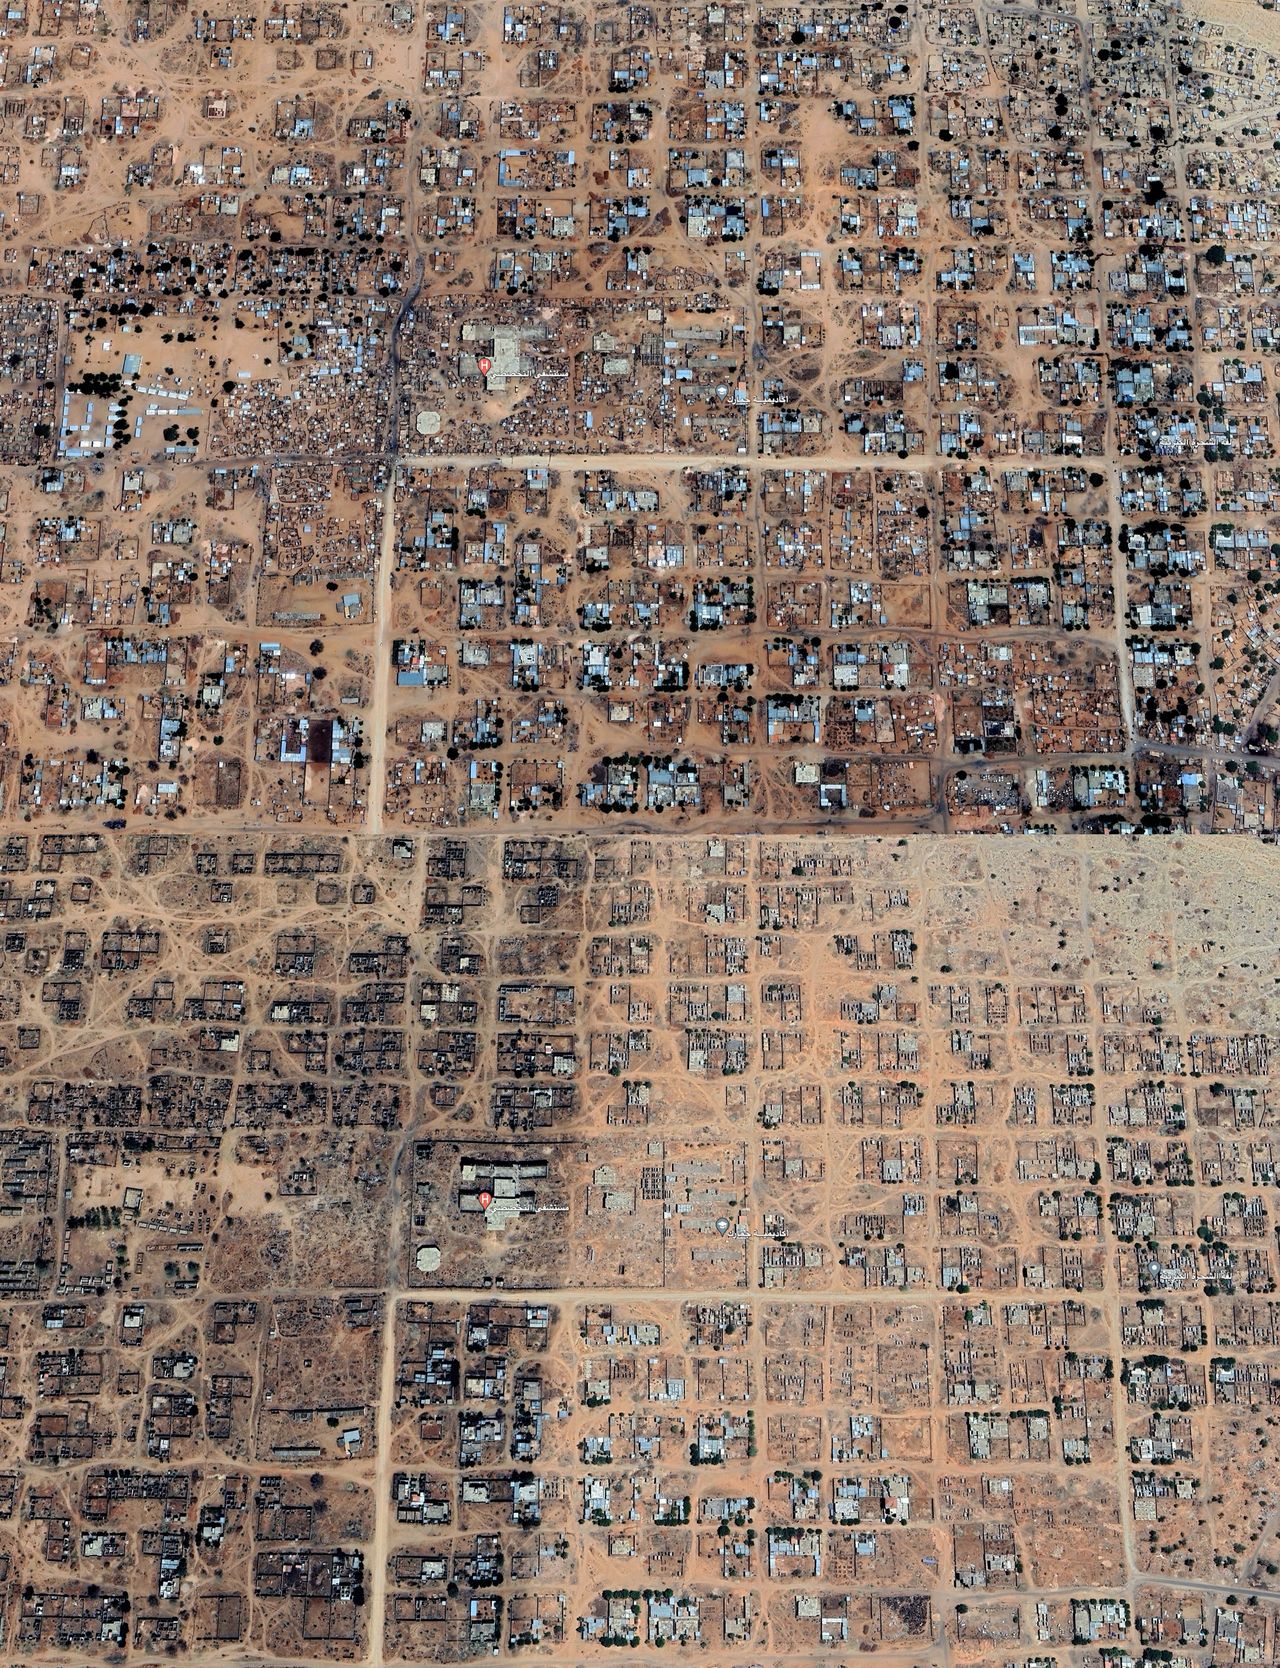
x=1244, y=19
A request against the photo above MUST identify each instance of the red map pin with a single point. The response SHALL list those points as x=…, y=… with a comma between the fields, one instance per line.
x=486, y=1199
x=486, y=365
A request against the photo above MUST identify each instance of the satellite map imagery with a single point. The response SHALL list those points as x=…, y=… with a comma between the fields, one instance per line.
x=639, y=803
